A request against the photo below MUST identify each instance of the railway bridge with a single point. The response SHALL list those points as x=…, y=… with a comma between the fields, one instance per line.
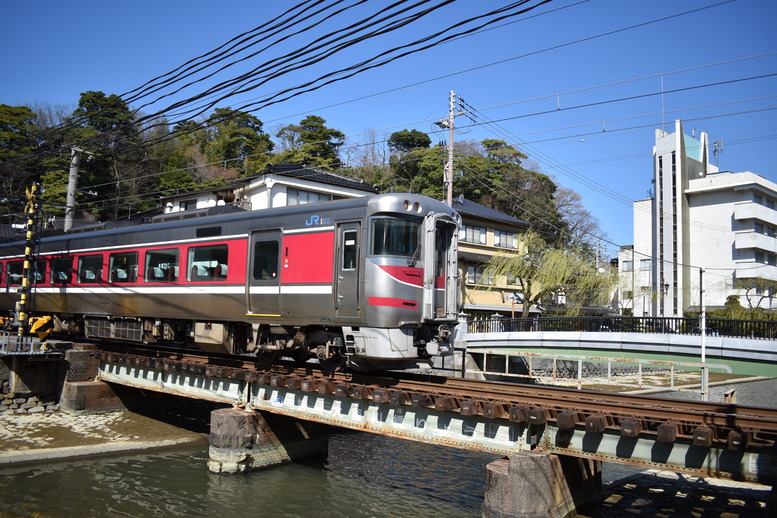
x=558, y=435
x=562, y=434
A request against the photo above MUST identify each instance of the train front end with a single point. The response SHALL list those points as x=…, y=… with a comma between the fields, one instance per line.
x=411, y=281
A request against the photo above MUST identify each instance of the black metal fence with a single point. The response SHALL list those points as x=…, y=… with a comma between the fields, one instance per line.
x=763, y=329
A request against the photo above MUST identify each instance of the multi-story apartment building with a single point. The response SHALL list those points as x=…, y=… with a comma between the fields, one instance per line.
x=702, y=229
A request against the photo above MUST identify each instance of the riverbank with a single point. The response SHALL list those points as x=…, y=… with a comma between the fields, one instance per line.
x=54, y=436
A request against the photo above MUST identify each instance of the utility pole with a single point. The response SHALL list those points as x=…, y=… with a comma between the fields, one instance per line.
x=72, y=186
x=705, y=390
x=447, y=122
x=449, y=164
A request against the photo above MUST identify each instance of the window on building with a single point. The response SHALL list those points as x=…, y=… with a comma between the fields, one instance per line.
x=770, y=203
x=757, y=198
x=628, y=266
x=300, y=197
x=644, y=264
x=771, y=259
x=162, y=265
x=505, y=239
x=476, y=275
x=758, y=227
x=511, y=279
x=187, y=204
x=759, y=257
x=771, y=232
x=472, y=234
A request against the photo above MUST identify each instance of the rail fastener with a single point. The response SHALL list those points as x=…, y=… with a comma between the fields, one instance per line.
x=445, y=403
x=666, y=432
x=702, y=436
x=471, y=408
x=567, y=420
x=596, y=423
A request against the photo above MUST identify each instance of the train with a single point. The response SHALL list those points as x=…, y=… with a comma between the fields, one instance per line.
x=366, y=283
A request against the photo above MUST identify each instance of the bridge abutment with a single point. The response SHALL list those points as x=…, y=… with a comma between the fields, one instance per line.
x=537, y=484
x=242, y=441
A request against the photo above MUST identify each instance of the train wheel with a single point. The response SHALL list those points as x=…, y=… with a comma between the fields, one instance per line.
x=267, y=357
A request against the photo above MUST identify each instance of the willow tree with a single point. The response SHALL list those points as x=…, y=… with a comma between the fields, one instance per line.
x=542, y=271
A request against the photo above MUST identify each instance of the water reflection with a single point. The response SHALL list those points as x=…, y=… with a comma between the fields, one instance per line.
x=365, y=476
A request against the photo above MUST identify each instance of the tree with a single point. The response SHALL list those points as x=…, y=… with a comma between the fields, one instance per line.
x=401, y=142
x=236, y=138
x=541, y=270
x=582, y=230
x=312, y=143
x=17, y=147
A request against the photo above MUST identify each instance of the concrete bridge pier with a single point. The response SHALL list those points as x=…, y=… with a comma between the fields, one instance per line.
x=246, y=440
x=537, y=484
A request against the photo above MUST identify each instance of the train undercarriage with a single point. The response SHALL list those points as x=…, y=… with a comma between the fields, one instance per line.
x=333, y=347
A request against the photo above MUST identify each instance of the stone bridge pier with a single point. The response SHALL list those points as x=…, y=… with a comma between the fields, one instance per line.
x=540, y=485
x=246, y=440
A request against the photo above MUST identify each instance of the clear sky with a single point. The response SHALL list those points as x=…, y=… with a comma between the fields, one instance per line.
x=579, y=85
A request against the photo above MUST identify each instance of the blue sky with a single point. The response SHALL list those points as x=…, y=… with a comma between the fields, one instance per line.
x=577, y=85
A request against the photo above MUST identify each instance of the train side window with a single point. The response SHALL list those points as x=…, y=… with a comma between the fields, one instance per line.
x=265, y=260
x=61, y=270
x=90, y=268
x=208, y=263
x=349, y=250
x=15, y=272
x=162, y=265
x=39, y=272
x=124, y=267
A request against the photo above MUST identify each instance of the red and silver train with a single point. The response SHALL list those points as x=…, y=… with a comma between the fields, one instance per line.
x=369, y=282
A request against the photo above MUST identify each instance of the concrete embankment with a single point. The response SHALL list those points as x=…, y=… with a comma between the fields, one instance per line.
x=53, y=436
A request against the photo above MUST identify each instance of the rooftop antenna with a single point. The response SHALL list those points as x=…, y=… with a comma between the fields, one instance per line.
x=717, y=149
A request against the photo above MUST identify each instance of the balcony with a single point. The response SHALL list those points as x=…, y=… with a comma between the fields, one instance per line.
x=753, y=239
x=751, y=210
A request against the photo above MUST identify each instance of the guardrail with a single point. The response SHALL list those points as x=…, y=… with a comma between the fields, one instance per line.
x=495, y=363
x=11, y=343
x=759, y=329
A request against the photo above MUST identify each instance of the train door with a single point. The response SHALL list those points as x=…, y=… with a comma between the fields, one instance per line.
x=441, y=274
x=347, y=287
x=263, y=279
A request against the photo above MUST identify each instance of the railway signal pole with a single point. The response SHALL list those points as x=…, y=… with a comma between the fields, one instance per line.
x=29, y=261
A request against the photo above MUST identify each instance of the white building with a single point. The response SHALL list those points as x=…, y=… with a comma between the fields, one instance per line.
x=277, y=186
x=702, y=228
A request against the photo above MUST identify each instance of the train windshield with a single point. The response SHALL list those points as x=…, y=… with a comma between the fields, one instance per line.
x=393, y=236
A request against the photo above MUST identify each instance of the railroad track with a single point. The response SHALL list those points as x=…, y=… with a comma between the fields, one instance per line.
x=732, y=426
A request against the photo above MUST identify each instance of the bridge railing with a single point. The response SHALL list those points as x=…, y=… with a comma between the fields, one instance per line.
x=763, y=329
